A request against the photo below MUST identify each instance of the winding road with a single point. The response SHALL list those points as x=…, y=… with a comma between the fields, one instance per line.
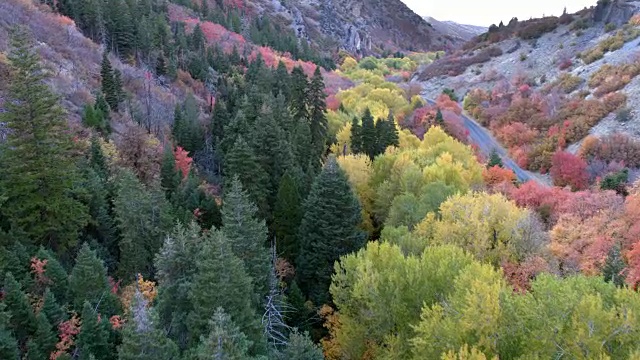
x=487, y=143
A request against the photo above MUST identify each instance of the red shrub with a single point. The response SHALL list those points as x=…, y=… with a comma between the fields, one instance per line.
x=497, y=175
x=569, y=170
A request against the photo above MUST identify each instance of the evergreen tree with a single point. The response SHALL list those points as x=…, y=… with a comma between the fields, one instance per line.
x=143, y=217
x=282, y=81
x=169, y=176
x=387, y=133
x=175, y=267
x=88, y=282
x=37, y=161
x=247, y=234
x=287, y=217
x=329, y=229
x=57, y=275
x=22, y=320
x=301, y=141
x=44, y=339
x=317, y=119
x=97, y=160
x=221, y=281
x=142, y=338
x=368, y=135
x=108, y=85
x=51, y=309
x=242, y=163
x=300, y=347
x=298, y=99
x=356, y=136
x=120, y=26
x=93, y=339
x=439, y=118
x=494, y=159
x=614, y=266
x=8, y=344
x=224, y=341
x=219, y=121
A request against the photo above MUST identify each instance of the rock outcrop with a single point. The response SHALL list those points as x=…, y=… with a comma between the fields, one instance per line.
x=616, y=12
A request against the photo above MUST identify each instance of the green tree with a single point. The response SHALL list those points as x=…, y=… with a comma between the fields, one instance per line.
x=298, y=99
x=329, y=229
x=241, y=162
x=247, y=235
x=97, y=160
x=221, y=281
x=317, y=107
x=439, y=118
x=616, y=182
x=143, y=216
x=44, y=338
x=224, y=341
x=37, y=161
x=287, y=217
x=387, y=133
x=8, y=344
x=356, y=136
x=51, y=309
x=300, y=347
x=494, y=159
x=88, y=282
x=169, y=176
x=368, y=135
x=220, y=119
x=109, y=86
x=175, y=269
x=57, y=275
x=142, y=337
x=93, y=339
x=614, y=266
x=22, y=320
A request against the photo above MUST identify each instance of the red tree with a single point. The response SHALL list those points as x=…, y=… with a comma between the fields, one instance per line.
x=569, y=170
x=183, y=161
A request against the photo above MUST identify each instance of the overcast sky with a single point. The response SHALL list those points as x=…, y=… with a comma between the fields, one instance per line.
x=487, y=12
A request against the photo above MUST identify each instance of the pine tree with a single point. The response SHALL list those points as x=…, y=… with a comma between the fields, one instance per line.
x=356, y=136
x=301, y=141
x=88, y=282
x=287, y=217
x=300, y=347
x=51, y=309
x=142, y=337
x=143, y=216
x=368, y=135
x=329, y=229
x=247, y=234
x=298, y=99
x=439, y=118
x=169, y=176
x=316, y=104
x=387, y=133
x=219, y=121
x=242, y=163
x=221, y=281
x=8, y=344
x=44, y=339
x=22, y=320
x=282, y=81
x=57, y=275
x=175, y=267
x=97, y=160
x=93, y=339
x=494, y=159
x=37, y=161
x=224, y=341
x=614, y=266
x=109, y=88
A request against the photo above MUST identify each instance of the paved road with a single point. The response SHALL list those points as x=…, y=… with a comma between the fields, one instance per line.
x=487, y=143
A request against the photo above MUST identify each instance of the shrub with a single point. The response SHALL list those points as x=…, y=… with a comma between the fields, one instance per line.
x=610, y=148
x=623, y=115
x=569, y=170
x=523, y=57
x=568, y=82
x=610, y=78
x=609, y=27
x=537, y=28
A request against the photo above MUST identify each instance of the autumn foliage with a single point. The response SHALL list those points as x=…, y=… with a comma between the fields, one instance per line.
x=183, y=161
x=569, y=170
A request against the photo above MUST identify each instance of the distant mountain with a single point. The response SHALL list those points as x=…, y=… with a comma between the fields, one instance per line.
x=358, y=26
x=453, y=29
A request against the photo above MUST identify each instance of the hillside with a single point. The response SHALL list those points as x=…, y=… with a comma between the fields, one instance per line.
x=461, y=32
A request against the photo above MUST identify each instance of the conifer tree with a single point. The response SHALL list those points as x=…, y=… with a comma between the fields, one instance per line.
x=282, y=81
x=298, y=99
x=236, y=127
x=52, y=309
x=88, y=282
x=439, y=118
x=301, y=141
x=8, y=344
x=387, y=133
x=142, y=336
x=329, y=229
x=316, y=104
x=368, y=135
x=242, y=163
x=97, y=160
x=287, y=217
x=247, y=235
x=175, y=267
x=22, y=319
x=494, y=159
x=36, y=160
x=219, y=121
x=224, y=341
x=614, y=266
x=143, y=217
x=300, y=347
x=44, y=338
x=221, y=281
x=169, y=176
x=93, y=339
x=55, y=273
x=108, y=82
x=356, y=136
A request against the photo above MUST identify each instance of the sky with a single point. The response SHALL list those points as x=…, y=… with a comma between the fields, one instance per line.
x=487, y=12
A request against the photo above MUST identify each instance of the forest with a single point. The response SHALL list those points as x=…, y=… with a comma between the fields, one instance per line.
x=293, y=204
